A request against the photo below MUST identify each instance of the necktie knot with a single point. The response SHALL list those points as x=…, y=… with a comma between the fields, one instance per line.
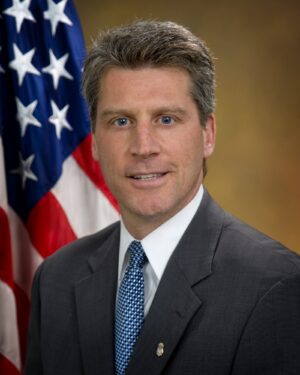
x=137, y=255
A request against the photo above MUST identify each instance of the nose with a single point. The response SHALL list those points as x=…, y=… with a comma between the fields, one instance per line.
x=144, y=141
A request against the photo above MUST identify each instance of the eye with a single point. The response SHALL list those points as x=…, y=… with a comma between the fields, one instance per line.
x=122, y=121
x=166, y=120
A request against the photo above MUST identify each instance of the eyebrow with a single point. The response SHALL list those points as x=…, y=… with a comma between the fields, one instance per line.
x=112, y=112
x=175, y=110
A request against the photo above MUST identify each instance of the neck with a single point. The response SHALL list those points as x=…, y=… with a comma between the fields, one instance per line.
x=140, y=228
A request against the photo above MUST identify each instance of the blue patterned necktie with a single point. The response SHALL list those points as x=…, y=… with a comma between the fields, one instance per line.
x=130, y=308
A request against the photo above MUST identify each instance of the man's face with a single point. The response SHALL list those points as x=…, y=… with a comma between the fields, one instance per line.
x=150, y=143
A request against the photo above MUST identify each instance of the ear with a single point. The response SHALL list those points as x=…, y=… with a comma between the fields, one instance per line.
x=94, y=147
x=209, y=136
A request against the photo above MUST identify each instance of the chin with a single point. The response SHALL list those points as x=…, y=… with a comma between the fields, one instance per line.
x=154, y=211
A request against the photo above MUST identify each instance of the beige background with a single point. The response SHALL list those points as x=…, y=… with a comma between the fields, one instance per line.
x=255, y=171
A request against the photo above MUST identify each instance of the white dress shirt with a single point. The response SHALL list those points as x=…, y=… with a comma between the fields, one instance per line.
x=158, y=246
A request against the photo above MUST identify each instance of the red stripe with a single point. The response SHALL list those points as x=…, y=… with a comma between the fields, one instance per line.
x=6, y=270
x=83, y=156
x=6, y=367
x=48, y=226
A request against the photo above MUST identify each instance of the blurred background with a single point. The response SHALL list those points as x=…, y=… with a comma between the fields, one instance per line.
x=254, y=172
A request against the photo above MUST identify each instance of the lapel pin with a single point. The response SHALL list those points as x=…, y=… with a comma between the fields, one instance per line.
x=160, y=349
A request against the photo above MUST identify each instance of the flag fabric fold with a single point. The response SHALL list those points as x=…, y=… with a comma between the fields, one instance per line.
x=51, y=189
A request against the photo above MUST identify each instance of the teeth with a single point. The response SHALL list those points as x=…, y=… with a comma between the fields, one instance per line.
x=147, y=176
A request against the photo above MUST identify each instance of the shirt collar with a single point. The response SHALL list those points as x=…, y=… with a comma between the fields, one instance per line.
x=160, y=244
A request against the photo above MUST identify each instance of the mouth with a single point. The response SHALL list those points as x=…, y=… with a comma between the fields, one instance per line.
x=147, y=177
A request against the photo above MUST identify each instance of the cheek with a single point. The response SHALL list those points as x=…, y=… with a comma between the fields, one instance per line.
x=111, y=162
x=192, y=150
x=107, y=161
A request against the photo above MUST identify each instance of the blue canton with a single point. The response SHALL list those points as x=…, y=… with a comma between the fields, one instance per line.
x=43, y=117
x=130, y=308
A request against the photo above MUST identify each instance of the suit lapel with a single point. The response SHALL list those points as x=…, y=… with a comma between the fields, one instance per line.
x=95, y=301
x=175, y=302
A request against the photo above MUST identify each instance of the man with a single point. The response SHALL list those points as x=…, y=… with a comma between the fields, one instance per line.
x=197, y=291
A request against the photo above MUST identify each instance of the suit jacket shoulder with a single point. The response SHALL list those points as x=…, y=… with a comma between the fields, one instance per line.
x=255, y=251
x=74, y=258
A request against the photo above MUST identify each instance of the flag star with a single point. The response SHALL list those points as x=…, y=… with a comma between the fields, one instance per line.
x=1, y=69
x=20, y=10
x=55, y=14
x=24, y=169
x=22, y=63
x=57, y=68
x=58, y=118
x=25, y=115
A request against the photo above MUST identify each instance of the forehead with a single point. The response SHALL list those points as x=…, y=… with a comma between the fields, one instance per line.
x=144, y=83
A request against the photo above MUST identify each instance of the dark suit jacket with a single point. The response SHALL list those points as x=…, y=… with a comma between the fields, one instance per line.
x=228, y=303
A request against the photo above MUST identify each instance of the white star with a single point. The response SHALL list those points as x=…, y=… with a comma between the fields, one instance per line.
x=20, y=10
x=25, y=115
x=24, y=169
x=1, y=69
x=57, y=68
x=58, y=118
x=55, y=14
x=22, y=63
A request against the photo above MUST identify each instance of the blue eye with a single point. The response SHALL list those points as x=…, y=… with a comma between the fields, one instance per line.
x=122, y=121
x=166, y=120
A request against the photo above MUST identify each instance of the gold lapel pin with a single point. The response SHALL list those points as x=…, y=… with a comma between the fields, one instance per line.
x=160, y=349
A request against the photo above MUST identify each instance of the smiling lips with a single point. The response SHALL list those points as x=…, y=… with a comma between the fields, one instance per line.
x=150, y=176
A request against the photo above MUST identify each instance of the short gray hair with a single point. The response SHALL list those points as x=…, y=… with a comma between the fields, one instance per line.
x=151, y=44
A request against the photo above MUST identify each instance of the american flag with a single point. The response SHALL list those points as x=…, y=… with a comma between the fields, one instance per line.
x=51, y=190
